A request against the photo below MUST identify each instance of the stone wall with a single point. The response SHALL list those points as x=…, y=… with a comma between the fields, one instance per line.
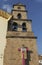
x=13, y=57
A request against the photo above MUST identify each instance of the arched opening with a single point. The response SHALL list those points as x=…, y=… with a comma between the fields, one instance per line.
x=19, y=16
x=19, y=7
x=24, y=27
x=14, y=26
x=9, y=25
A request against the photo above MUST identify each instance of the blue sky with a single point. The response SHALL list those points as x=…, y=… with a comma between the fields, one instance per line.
x=34, y=8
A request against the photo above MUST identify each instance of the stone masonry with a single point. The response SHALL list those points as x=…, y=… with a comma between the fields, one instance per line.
x=16, y=39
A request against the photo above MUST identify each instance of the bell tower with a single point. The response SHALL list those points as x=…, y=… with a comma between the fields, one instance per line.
x=21, y=43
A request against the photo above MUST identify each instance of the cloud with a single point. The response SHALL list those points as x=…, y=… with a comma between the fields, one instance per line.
x=38, y=0
x=7, y=7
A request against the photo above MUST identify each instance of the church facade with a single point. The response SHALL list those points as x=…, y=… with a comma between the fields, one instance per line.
x=20, y=46
x=4, y=18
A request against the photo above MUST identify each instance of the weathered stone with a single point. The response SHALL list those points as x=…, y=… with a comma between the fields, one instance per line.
x=16, y=39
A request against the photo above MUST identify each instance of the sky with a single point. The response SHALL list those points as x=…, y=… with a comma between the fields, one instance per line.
x=34, y=8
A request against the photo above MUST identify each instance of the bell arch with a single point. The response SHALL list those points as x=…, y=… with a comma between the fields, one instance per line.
x=24, y=29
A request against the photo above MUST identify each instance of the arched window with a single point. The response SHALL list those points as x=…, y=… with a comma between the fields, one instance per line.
x=14, y=26
x=24, y=27
x=19, y=7
x=19, y=16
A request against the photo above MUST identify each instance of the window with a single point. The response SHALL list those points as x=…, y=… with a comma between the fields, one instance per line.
x=19, y=8
x=14, y=26
x=24, y=27
x=19, y=16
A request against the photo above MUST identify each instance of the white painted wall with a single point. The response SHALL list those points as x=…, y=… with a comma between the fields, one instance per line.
x=40, y=61
x=3, y=29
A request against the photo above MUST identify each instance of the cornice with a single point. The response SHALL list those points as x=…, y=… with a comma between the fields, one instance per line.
x=4, y=14
x=19, y=5
x=22, y=19
x=20, y=10
x=21, y=37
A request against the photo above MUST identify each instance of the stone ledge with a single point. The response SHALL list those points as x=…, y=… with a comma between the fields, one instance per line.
x=5, y=14
x=21, y=37
x=13, y=34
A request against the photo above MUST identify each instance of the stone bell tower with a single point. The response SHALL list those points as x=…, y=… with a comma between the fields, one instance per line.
x=19, y=38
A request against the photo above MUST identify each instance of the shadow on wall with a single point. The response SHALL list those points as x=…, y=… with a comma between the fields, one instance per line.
x=28, y=57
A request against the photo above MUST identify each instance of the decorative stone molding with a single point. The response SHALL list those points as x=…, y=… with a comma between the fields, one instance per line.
x=5, y=14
